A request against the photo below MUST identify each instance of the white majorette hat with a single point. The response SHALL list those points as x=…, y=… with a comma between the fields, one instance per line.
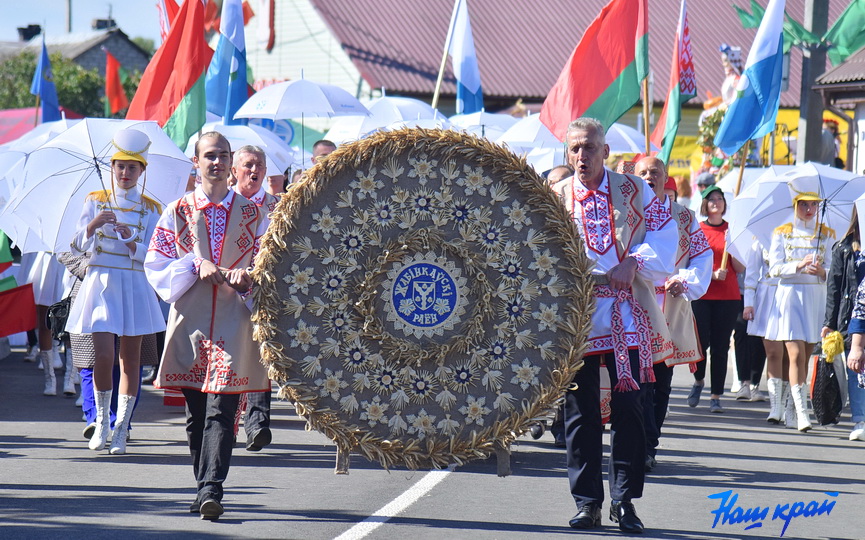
x=131, y=144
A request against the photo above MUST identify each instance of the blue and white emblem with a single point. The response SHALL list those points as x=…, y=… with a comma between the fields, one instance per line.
x=425, y=295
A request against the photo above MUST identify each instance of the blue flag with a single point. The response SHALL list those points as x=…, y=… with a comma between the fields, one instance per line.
x=43, y=86
x=758, y=93
x=225, y=83
x=470, y=96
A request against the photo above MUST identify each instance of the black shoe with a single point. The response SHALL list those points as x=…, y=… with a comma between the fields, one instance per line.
x=211, y=509
x=258, y=440
x=148, y=375
x=559, y=441
x=588, y=517
x=651, y=463
x=537, y=430
x=195, y=507
x=623, y=513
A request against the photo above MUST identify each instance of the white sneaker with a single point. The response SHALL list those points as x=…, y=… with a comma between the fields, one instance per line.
x=735, y=387
x=756, y=394
x=858, y=432
x=744, y=393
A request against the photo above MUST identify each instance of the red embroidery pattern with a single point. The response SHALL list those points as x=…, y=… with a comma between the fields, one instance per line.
x=597, y=222
x=698, y=243
x=657, y=215
x=620, y=347
x=162, y=242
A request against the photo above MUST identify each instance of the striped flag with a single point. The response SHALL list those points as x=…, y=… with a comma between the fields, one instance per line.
x=115, y=95
x=683, y=86
x=602, y=77
x=225, y=83
x=167, y=11
x=171, y=91
x=752, y=114
x=470, y=96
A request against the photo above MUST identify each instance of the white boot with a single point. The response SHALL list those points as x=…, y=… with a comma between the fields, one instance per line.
x=50, y=378
x=125, y=404
x=56, y=361
x=789, y=407
x=69, y=379
x=103, y=420
x=800, y=398
x=776, y=392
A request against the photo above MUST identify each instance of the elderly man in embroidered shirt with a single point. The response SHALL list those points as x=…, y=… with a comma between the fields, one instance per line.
x=250, y=168
x=198, y=260
x=675, y=293
x=631, y=238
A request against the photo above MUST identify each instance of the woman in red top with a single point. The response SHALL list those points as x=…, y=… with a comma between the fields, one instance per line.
x=716, y=311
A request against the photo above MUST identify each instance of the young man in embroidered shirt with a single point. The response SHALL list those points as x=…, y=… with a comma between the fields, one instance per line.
x=198, y=260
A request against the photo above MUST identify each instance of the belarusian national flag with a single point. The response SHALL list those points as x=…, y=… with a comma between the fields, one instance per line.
x=115, y=96
x=17, y=310
x=602, y=77
x=171, y=91
x=683, y=86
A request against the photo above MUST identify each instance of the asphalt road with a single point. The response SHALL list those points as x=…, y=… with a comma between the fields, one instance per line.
x=52, y=486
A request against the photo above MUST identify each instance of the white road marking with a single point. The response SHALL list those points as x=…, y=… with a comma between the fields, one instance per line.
x=396, y=506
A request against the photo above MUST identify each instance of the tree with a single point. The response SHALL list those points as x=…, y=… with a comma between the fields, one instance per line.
x=147, y=45
x=78, y=89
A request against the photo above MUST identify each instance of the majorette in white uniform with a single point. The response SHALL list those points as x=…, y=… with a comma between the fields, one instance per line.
x=760, y=289
x=115, y=296
x=800, y=298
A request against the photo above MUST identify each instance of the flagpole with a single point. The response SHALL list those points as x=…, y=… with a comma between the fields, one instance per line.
x=646, y=114
x=742, y=167
x=448, y=38
x=36, y=116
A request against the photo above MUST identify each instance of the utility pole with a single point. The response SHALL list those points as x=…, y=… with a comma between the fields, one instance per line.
x=813, y=65
x=68, y=16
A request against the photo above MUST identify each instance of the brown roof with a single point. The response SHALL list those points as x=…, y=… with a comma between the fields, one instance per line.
x=522, y=46
x=850, y=70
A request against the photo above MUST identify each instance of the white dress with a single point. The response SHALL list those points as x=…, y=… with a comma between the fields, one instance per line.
x=115, y=296
x=45, y=273
x=800, y=299
x=760, y=290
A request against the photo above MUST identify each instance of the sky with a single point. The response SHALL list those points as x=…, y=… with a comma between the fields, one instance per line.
x=137, y=18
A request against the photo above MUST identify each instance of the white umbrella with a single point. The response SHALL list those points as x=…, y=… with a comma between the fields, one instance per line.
x=544, y=159
x=384, y=111
x=278, y=154
x=301, y=98
x=837, y=188
x=424, y=123
x=728, y=182
x=59, y=174
x=743, y=206
x=484, y=124
x=624, y=139
x=38, y=136
x=528, y=133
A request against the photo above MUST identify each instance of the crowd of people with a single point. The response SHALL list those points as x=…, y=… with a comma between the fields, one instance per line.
x=138, y=278
x=171, y=287
x=639, y=239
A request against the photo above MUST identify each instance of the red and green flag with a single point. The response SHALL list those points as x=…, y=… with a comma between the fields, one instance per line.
x=683, y=86
x=171, y=91
x=115, y=76
x=5, y=252
x=602, y=77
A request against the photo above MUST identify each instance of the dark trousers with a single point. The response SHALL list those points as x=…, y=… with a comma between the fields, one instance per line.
x=715, y=322
x=257, y=412
x=656, y=398
x=210, y=432
x=750, y=354
x=584, y=435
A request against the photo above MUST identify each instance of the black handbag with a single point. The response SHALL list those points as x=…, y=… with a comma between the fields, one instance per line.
x=826, y=393
x=58, y=314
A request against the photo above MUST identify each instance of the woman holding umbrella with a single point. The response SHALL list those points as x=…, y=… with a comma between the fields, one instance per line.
x=799, y=255
x=115, y=298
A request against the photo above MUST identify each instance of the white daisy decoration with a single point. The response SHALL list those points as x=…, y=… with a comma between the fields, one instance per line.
x=331, y=384
x=474, y=410
x=374, y=411
x=525, y=374
x=303, y=335
x=518, y=216
x=299, y=279
x=366, y=184
x=325, y=222
x=544, y=263
x=547, y=317
x=422, y=424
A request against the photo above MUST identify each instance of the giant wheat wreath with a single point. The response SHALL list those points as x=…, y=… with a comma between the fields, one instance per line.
x=423, y=298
